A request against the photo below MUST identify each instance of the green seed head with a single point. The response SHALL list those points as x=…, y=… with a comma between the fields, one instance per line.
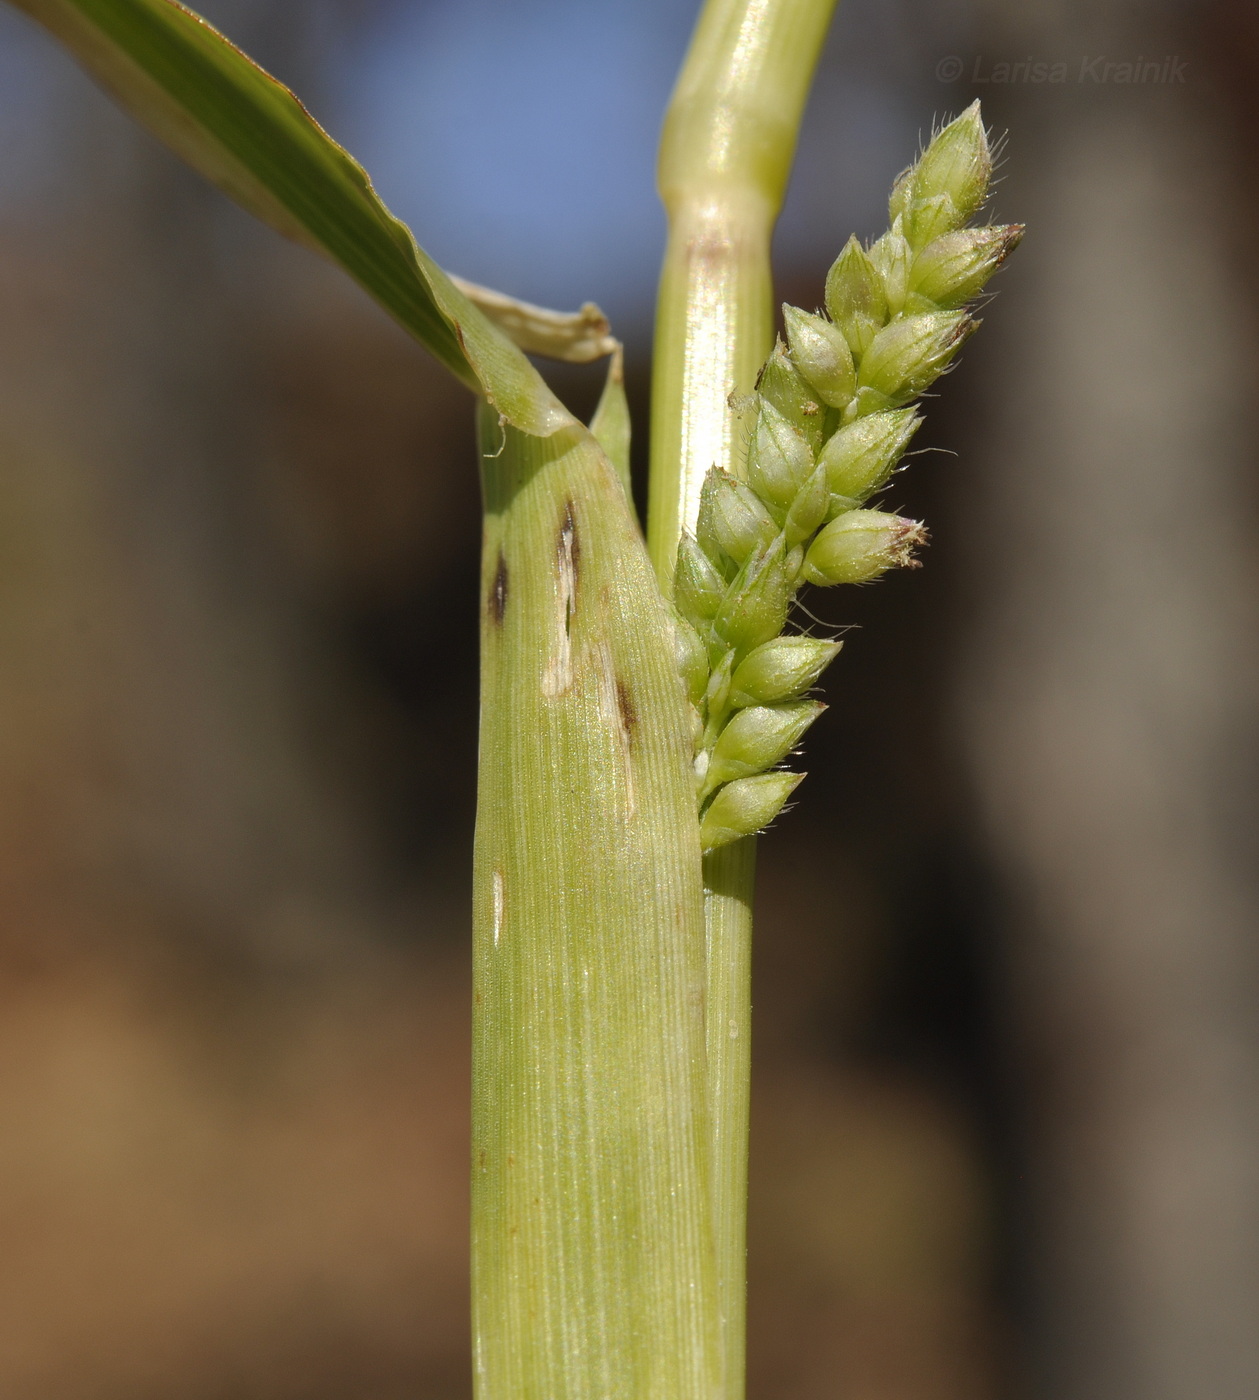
x=780, y=670
x=809, y=508
x=861, y=545
x=910, y=354
x=755, y=607
x=782, y=384
x=855, y=297
x=759, y=737
x=902, y=193
x=860, y=457
x=698, y=586
x=692, y=658
x=891, y=256
x=697, y=727
x=780, y=461
x=928, y=219
x=821, y=354
x=956, y=167
x=954, y=267
x=717, y=696
x=744, y=807
x=867, y=401
x=732, y=519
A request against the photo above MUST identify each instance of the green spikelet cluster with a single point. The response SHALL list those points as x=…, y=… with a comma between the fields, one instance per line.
x=832, y=417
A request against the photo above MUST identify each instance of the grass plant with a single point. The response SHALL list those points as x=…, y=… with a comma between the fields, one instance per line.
x=640, y=694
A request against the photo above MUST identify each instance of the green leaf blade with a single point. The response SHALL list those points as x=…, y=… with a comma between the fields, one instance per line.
x=248, y=134
x=611, y=424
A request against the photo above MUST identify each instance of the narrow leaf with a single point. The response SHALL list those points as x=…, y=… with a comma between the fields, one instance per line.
x=611, y=423
x=575, y=336
x=249, y=134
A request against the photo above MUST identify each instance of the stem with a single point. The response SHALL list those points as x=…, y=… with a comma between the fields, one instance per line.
x=728, y=142
x=593, y=1261
x=729, y=138
x=729, y=875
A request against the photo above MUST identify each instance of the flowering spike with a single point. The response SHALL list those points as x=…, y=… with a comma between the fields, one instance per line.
x=832, y=423
x=910, y=354
x=755, y=607
x=698, y=587
x=902, y=192
x=954, y=267
x=732, y=518
x=855, y=296
x=821, y=354
x=692, y=658
x=809, y=508
x=867, y=401
x=718, y=693
x=744, y=807
x=860, y=457
x=860, y=545
x=780, y=461
x=956, y=167
x=928, y=219
x=759, y=737
x=783, y=385
x=780, y=670
x=891, y=256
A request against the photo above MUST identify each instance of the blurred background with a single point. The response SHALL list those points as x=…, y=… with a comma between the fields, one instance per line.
x=1006, y=1123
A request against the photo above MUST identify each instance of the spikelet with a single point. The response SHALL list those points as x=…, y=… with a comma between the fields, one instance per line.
x=833, y=419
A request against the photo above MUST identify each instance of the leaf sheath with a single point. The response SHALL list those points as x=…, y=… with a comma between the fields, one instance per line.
x=593, y=1265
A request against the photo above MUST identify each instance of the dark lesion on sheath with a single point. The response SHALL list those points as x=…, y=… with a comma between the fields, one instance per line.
x=625, y=708
x=568, y=545
x=498, y=591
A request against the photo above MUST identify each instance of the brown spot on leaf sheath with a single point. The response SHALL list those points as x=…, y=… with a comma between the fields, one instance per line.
x=569, y=544
x=498, y=591
x=625, y=708
x=568, y=566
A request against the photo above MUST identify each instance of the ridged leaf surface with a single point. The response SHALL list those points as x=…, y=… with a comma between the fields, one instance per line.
x=593, y=1265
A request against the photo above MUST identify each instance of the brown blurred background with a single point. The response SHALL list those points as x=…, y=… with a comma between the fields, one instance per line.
x=1006, y=1132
